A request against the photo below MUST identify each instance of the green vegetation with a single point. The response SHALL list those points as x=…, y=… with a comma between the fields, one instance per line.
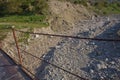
x=32, y=13
x=10, y=7
x=104, y=7
x=83, y=2
x=22, y=14
x=23, y=37
x=3, y=32
x=24, y=21
x=31, y=21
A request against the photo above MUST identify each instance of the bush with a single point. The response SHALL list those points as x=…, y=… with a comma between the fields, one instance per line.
x=83, y=2
x=105, y=7
x=8, y=7
x=40, y=6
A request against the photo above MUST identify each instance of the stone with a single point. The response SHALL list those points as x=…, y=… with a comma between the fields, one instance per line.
x=98, y=66
x=57, y=47
x=70, y=38
x=62, y=79
x=106, y=59
x=118, y=33
x=101, y=77
x=36, y=36
x=108, y=19
x=101, y=66
x=26, y=47
x=9, y=51
x=113, y=62
x=43, y=56
x=91, y=71
x=50, y=72
x=28, y=40
x=51, y=36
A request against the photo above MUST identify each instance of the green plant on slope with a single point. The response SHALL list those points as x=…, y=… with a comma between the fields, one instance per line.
x=24, y=7
x=104, y=7
x=25, y=36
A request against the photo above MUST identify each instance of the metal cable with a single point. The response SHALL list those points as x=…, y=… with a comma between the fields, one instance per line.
x=36, y=78
x=66, y=36
x=55, y=65
x=15, y=63
x=7, y=65
x=76, y=37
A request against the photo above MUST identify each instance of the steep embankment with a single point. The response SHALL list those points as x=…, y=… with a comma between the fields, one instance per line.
x=81, y=57
x=65, y=14
x=94, y=60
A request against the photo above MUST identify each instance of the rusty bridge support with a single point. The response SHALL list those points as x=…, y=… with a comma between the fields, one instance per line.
x=18, y=50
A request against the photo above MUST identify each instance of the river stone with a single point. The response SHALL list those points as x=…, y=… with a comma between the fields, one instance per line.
x=118, y=33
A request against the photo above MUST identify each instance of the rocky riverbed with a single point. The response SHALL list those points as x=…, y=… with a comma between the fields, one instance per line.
x=94, y=60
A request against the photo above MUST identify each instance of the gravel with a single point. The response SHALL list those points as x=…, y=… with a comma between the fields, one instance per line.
x=93, y=60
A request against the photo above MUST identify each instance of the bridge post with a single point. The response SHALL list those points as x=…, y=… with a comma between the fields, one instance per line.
x=18, y=50
x=0, y=44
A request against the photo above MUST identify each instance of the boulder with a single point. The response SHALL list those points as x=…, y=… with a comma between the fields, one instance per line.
x=118, y=33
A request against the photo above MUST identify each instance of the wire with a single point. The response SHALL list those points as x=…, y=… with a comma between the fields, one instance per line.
x=76, y=37
x=55, y=65
x=36, y=78
x=66, y=36
x=15, y=63
x=7, y=65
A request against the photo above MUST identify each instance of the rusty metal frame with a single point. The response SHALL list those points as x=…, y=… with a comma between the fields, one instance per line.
x=18, y=50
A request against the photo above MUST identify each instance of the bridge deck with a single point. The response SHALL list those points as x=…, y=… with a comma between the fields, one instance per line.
x=9, y=70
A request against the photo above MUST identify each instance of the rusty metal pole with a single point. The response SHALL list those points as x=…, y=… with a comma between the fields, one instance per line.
x=18, y=50
x=0, y=44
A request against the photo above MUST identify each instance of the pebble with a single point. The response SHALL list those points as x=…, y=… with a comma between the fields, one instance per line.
x=101, y=77
x=70, y=38
x=62, y=79
x=98, y=66
x=36, y=36
x=118, y=33
x=26, y=47
x=51, y=36
x=28, y=40
x=82, y=48
x=43, y=56
x=50, y=72
x=101, y=66
x=91, y=43
x=9, y=51
x=106, y=59
x=113, y=62
x=91, y=71
x=57, y=47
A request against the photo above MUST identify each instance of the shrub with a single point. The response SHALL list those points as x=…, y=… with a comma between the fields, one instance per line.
x=83, y=2
x=8, y=7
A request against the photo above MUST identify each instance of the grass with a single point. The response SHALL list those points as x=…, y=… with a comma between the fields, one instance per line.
x=101, y=7
x=107, y=9
x=24, y=21
x=30, y=21
x=3, y=32
x=23, y=37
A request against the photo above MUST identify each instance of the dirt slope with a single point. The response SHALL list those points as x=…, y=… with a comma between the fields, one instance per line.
x=64, y=15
